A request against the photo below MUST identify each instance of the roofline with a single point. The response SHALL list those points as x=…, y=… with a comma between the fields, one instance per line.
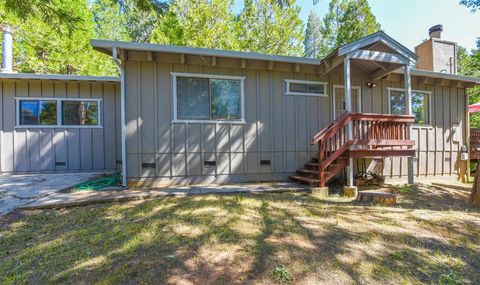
x=106, y=46
x=428, y=73
x=375, y=37
x=58, y=77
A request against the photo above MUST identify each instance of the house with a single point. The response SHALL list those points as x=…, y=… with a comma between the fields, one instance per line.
x=185, y=115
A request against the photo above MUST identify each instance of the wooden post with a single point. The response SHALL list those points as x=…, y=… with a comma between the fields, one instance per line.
x=348, y=109
x=408, y=97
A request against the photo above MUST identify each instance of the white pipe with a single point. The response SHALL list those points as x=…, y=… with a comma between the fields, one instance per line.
x=122, y=115
x=7, y=44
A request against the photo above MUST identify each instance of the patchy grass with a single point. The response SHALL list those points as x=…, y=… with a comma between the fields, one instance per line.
x=294, y=238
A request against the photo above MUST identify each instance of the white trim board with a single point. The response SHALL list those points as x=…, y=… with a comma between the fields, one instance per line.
x=59, y=124
x=359, y=99
x=175, y=118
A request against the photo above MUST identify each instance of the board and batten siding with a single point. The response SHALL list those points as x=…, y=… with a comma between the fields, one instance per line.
x=59, y=149
x=278, y=128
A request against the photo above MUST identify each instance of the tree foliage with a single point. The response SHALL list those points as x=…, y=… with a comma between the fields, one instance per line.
x=267, y=27
x=198, y=23
x=40, y=48
x=313, y=36
x=472, y=4
x=345, y=22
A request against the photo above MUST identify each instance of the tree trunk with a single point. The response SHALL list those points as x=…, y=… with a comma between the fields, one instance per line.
x=475, y=195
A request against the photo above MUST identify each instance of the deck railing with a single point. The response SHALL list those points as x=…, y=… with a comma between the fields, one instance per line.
x=368, y=131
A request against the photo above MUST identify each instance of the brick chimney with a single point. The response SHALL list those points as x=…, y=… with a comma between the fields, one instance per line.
x=436, y=54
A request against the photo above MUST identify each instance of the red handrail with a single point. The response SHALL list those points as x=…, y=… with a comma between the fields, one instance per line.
x=371, y=130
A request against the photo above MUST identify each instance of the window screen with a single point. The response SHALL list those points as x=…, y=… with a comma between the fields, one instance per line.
x=420, y=105
x=306, y=88
x=80, y=113
x=397, y=103
x=37, y=112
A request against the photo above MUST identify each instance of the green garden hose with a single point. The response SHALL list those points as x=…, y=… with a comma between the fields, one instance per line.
x=99, y=183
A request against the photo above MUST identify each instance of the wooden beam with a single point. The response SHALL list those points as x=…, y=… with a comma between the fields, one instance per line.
x=297, y=67
x=149, y=56
x=381, y=73
x=382, y=65
x=214, y=60
x=182, y=58
x=243, y=63
x=379, y=56
x=331, y=64
x=270, y=65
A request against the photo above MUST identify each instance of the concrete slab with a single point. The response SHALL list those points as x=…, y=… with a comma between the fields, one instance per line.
x=19, y=190
x=65, y=200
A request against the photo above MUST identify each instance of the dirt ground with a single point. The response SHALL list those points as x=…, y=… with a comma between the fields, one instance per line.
x=430, y=237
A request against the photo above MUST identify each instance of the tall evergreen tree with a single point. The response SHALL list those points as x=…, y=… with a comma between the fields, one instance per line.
x=313, y=35
x=345, y=22
x=267, y=27
x=198, y=23
x=43, y=47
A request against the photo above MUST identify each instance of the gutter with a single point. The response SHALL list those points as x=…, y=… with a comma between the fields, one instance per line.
x=122, y=115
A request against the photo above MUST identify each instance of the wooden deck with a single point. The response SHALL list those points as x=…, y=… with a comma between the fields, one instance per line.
x=372, y=136
x=474, y=144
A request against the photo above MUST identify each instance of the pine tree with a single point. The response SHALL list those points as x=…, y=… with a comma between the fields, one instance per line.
x=267, y=27
x=345, y=22
x=198, y=23
x=313, y=35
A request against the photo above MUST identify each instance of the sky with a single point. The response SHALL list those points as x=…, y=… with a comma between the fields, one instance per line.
x=408, y=21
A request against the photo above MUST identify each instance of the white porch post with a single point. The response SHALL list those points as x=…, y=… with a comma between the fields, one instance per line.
x=348, y=108
x=408, y=97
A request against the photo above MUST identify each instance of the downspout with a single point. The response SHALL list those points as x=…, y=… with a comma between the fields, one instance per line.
x=122, y=115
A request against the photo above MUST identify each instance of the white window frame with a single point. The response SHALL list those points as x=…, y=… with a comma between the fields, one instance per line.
x=208, y=76
x=359, y=99
x=430, y=110
x=59, y=124
x=289, y=93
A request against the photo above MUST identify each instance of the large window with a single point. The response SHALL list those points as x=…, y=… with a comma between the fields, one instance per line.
x=307, y=88
x=420, y=104
x=208, y=97
x=56, y=112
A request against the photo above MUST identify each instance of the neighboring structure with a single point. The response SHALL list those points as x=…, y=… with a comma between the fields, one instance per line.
x=181, y=115
x=59, y=123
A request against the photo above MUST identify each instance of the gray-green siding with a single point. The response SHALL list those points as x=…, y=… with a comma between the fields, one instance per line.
x=278, y=127
x=59, y=149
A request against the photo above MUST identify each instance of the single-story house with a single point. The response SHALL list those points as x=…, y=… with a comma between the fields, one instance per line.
x=182, y=115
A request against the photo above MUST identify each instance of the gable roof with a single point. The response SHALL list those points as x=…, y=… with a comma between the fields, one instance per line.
x=382, y=37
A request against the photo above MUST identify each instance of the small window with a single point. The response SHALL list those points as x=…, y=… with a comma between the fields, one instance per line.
x=208, y=97
x=308, y=88
x=37, y=112
x=80, y=113
x=420, y=105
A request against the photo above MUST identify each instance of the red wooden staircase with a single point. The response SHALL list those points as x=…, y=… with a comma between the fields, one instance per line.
x=373, y=136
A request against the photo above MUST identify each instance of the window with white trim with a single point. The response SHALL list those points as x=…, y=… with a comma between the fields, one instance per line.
x=306, y=88
x=201, y=97
x=57, y=112
x=420, y=105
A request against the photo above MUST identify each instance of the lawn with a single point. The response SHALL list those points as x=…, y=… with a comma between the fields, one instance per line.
x=431, y=237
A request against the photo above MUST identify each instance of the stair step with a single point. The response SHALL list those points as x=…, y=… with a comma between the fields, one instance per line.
x=308, y=172
x=312, y=165
x=305, y=180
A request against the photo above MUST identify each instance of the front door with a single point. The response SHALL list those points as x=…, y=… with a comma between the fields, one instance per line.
x=339, y=92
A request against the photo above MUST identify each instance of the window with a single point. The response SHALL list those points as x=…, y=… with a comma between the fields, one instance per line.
x=308, y=88
x=56, y=112
x=420, y=105
x=200, y=97
x=80, y=113
x=38, y=112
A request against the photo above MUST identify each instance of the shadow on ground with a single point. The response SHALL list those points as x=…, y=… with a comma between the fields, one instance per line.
x=236, y=239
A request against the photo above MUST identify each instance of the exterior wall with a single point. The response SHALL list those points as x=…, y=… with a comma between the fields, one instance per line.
x=438, y=144
x=278, y=127
x=59, y=149
x=425, y=55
